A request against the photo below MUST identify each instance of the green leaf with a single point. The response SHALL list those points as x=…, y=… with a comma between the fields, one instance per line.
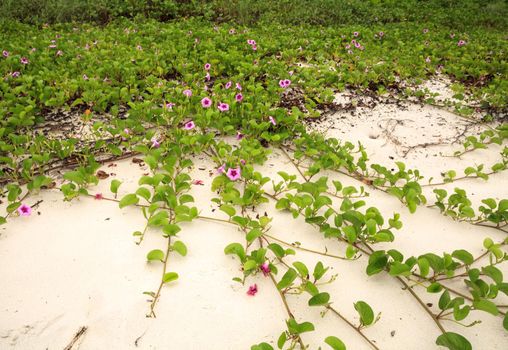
x=287, y=279
x=129, y=199
x=169, y=277
x=487, y=306
x=453, y=341
x=444, y=300
x=144, y=193
x=282, y=340
x=155, y=254
x=261, y=346
x=171, y=229
x=494, y=273
x=335, y=343
x=115, y=184
x=505, y=322
x=319, y=299
x=301, y=268
x=228, y=209
x=365, y=312
x=253, y=234
x=319, y=271
x=397, y=269
x=464, y=256
x=180, y=248
x=235, y=248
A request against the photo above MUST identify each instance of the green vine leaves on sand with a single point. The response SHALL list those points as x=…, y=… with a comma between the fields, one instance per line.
x=140, y=88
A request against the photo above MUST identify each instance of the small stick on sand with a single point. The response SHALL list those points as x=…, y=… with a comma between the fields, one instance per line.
x=78, y=335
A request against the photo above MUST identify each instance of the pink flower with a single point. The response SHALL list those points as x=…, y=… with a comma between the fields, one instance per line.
x=291, y=73
x=155, y=143
x=252, y=290
x=189, y=125
x=223, y=107
x=284, y=83
x=24, y=60
x=169, y=105
x=33, y=49
x=265, y=268
x=381, y=34
x=254, y=47
x=138, y=47
x=427, y=59
x=24, y=210
x=348, y=46
x=251, y=42
x=239, y=97
x=85, y=77
x=207, y=76
x=233, y=174
x=207, y=66
x=461, y=43
x=98, y=196
x=221, y=169
x=238, y=86
x=5, y=53
x=187, y=92
x=243, y=162
x=228, y=85
x=198, y=182
x=355, y=34
x=52, y=46
x=270, y=118
x=452, y=35
x=59, y=53
x=87, y=47
x=232, y=31
x=358, y=45
x=15, y=74
x=353, y=41
x=206, y=102
x=239, y=135
x=425, y=30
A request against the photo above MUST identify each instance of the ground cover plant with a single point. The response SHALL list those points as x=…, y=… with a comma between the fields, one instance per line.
x=74, y=96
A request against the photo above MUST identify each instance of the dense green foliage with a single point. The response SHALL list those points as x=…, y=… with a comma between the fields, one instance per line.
x=455, y=14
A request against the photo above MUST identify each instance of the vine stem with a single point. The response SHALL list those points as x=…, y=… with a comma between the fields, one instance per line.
x=164, y=267
x=335, y=312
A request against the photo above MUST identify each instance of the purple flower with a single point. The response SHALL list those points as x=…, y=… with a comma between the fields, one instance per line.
x=169, y=105
x=228, y=85
x=5, y=53
x=272, y=120
x=238, y=86
x=355, y=34
x=239, y=97
x=265, y=268
x=223, y=107
x=189, y=125
x=207, y=76
x=381, y=34
x=234, y=173
x=243, y=162
x=187, y=92
x=24, y=210
x=284, y=83
x=221, y=169
x=254, y=47
x=461, y=43
x=24, y=60
x=15, y=74
x=252, y=290
x=239, y=135
x=207, y=66
x=206, y=102
x=358, y=45
x=251, y=42
x=155, y=143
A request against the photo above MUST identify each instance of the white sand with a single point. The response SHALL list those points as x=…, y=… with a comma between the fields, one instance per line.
x=76, y=264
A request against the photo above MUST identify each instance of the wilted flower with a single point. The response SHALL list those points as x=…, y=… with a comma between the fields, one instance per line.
x=169, y=105
x=187, y=92
x=265, y=268
x=52, y=46
x=138, y=47
x=206, y=102
x=233, y=173
x=207, y=76
x=59, y=53
x=253, y=290
x=221, y=169
x=98, y=196
x=155, y=143
x=427, y=59
x=24, y=210
x=238, y=86
x=272, y=120
x=85, y=77
x=189, y=125
x=198, y=182
x=426, y=30
x=15, y=74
